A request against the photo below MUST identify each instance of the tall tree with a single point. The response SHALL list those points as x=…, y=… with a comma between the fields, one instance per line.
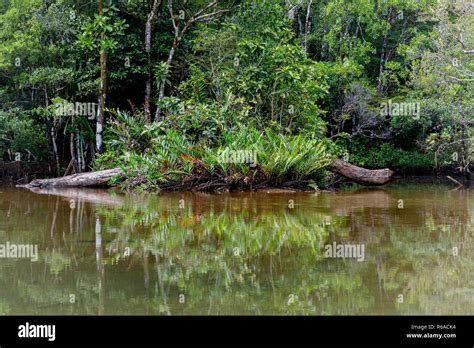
x=148, y=35
x=99, y=33
x=103, y=86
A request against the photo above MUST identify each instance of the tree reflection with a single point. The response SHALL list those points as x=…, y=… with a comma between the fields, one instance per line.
x=241, y=254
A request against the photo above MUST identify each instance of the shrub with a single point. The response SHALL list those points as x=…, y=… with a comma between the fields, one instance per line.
x=162, y=157
x=19, y=132
x=383, y=155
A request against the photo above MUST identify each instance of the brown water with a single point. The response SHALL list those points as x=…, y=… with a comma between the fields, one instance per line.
x=102, y=252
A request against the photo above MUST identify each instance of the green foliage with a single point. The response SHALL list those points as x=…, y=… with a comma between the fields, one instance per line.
x=280, y=158
x=160, y=155
x=208, y=121
x=131, y=132
x=20, y=133
x=254, y=58
x=278, y=73
x=100, y=33
x=386, y=155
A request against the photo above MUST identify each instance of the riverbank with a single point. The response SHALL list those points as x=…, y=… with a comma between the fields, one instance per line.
x=116, y=178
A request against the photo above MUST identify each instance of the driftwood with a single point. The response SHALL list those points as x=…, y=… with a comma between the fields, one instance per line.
x=93, y=179
x=361, y=175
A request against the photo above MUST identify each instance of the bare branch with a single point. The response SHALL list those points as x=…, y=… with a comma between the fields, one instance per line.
x=175, y=26
x=460, y=39
x=209, y=15
x=459, y=80
x=178, y=36
x=211, y=4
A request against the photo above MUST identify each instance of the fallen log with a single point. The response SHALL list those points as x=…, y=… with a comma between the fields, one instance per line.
x=361, y=175
x=93, y=179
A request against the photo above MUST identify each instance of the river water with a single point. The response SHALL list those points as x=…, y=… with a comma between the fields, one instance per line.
x=104, y=252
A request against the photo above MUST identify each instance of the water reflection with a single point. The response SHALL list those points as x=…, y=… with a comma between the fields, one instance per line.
x=242, y=253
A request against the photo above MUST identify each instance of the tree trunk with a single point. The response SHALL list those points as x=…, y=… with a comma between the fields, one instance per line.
x=72, y=151
x=55, y=148
x=93, y=179
x=161, y=95
x=103, y=89
x=361, y=175
x=53, y=135
x=307, y=26
x=148, y=33
x=383, y=54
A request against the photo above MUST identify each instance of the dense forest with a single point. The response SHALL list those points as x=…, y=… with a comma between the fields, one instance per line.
x=206, y=94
